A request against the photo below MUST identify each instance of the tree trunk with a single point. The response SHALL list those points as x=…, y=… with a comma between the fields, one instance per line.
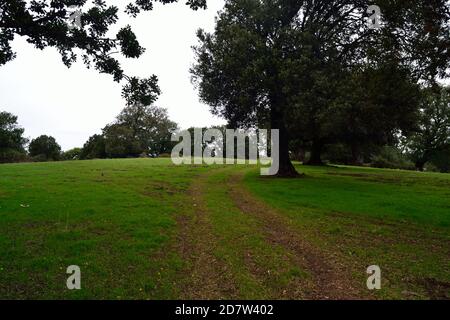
x=356, y=156
x=422, y=160
x=286, y=169
x=420, y=165
x=299, y=155
x=316, y=151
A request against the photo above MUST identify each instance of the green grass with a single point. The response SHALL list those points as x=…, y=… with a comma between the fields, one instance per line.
x=113, y=218
x=421, y=198
x=399, y=220
x=239, y=235
x=117, y=220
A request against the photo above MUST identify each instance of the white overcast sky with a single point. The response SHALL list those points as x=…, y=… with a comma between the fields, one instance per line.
x=73, y=104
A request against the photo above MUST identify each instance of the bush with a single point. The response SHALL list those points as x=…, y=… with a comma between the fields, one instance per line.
x=165, y=155
x=429, y=167
x=40, y=158
x=72, y=154
x=338, y=154
x=441, y=160
x=11, y=155
x=391, y=158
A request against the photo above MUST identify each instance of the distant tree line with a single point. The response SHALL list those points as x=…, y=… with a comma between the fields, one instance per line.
x=143, y=131
x=425, y=142
x=138, y=131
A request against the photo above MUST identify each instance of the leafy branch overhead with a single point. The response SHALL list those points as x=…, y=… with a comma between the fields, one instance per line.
x=77, y=29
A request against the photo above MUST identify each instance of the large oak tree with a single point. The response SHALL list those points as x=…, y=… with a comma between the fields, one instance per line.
x=278, y=63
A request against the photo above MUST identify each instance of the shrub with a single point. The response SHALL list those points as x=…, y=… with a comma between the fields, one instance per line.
x=441, y=160
x=164, y=155
x=338, y=154
x=72, y=154
x=11, y=155
x=391, y=158
x=40, y=158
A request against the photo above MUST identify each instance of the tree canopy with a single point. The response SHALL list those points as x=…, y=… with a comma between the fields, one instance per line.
x=78, y=29
x=45, y=148
x=138, y=130
x=12, y=141
x=94, y=148
x=282, y=63
x=433, y=133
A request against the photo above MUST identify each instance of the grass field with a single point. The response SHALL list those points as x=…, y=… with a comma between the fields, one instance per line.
x=145, y=229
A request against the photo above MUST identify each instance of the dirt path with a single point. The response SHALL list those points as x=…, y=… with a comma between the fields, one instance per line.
x=206, y=277
x=330, y=279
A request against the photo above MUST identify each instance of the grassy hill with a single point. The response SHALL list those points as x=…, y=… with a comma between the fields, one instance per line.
x=146, y=229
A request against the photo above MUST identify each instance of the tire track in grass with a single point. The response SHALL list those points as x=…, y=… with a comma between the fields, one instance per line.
x=330, y=279
x=205, y=276
x=262, y=270
x=226, y=254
